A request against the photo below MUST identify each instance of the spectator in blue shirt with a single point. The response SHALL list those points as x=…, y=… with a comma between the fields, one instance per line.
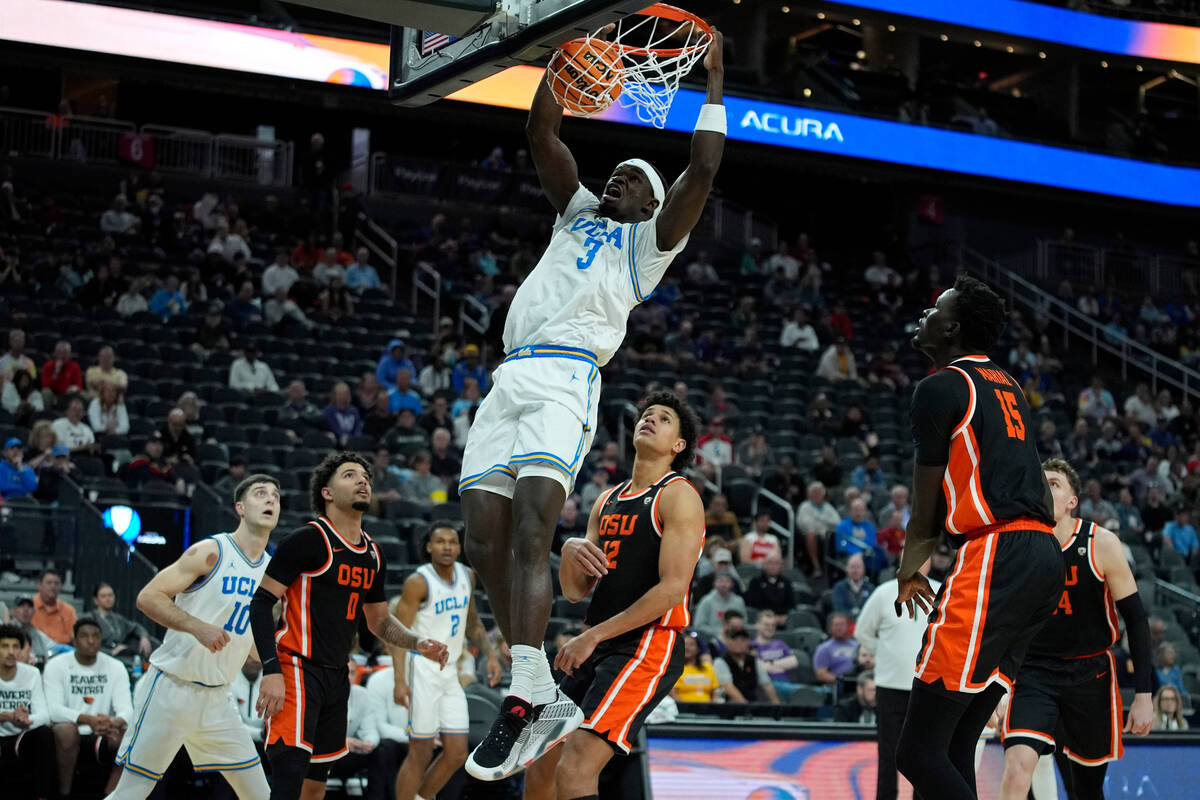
x=402, y=395
x=17, y=479
x=360, y=275
x=851, y=592
x=856, y=534
x=391, y=362
x=243, y=309
x=1165, y=668
x=868, y=477
x=1179, y=535
x=168, y=301
x=469, y=367
x=341, y=417
x=468, y=400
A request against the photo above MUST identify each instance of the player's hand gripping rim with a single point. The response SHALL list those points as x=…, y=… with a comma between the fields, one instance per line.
x=587, y=556
x=914, y=592
x=434, y=651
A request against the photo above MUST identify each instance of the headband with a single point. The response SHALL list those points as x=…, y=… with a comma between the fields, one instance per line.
x=651, y=174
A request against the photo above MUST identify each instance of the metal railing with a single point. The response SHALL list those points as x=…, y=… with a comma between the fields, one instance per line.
x=1132, y=354
x=427, y=281
x=629, y=410
x=474, y=314
x=24, y=132
x=1126, y=270
x=382, y=245
x=787, y=532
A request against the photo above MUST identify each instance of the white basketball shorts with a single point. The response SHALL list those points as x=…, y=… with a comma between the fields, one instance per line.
x=437, y=702
x=172, y=713
x=538, y=419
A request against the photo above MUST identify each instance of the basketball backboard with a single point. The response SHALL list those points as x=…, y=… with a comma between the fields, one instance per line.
x=430, y=62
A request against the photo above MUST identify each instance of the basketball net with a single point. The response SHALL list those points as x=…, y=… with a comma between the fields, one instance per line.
x=658, y=46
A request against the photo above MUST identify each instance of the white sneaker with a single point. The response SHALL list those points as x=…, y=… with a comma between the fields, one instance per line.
x=553, y=723
x=495, y=758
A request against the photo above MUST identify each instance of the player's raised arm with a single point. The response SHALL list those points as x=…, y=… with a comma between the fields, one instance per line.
x=686, y=199
x=391, y=631
x=1123, y=587
x=555, y=165
x=156, y=599
x=583, y=562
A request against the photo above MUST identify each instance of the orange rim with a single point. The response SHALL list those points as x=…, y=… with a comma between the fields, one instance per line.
x=675, y=15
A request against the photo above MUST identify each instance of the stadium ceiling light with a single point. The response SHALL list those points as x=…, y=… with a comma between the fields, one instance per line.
x=1104, y=64
x=856, y=22
x=1041, y=53
x=786, y=9
x=1010, y=49
x=944, y=38
x=820, y=15
x=807, y=92
x=891, y=28
x=861, y=54
x=1138, y=67
x=978, y=43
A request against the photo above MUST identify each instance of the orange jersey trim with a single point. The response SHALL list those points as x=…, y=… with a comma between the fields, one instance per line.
x=634, y=687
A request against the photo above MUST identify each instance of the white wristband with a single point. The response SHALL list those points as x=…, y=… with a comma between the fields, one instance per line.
x=712, y=118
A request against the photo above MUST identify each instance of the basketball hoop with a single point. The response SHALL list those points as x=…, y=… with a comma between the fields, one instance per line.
x=657, y=47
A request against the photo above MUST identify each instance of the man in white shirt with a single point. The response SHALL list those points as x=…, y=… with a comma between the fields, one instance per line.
x=393, y=723
x=814, y=520
x=72, y=431
x=26, y=744
x=117, y=220
x=90, y=708
x=362, y=737
x=895, y=641
x=799, y=333
x=328, y=268
x=280, y=275
x=251, y=375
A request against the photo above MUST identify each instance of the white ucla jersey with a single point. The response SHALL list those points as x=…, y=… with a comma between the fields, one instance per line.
x=221, y=599
x=443, y=615
x=593, y=273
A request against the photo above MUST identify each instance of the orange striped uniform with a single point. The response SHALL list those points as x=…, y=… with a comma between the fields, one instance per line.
x=972, y=421
x=627, y=676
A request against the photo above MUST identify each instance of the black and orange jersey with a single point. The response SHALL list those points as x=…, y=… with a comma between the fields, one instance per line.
x=327, y=579
x=630, y=533
x=972, y=418
x=1085, y=621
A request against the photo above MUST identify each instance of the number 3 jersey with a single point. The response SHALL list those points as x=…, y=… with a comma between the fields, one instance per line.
x=328, y=579
x=972, y=418
x=222, y=598
x=592, y=274
x=443, y=615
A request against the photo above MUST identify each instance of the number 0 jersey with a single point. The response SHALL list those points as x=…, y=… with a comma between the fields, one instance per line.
x=328, y=580
x=443, y=614
x=972, y=418
x=594, y=271
x=1085, y=620
x=631, y=536
x=222, y=598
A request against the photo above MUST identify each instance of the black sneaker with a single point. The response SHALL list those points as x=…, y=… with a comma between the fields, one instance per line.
x=552, y=723
x=497, y=755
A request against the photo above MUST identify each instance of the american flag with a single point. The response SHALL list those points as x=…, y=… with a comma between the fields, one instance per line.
x=432, y=42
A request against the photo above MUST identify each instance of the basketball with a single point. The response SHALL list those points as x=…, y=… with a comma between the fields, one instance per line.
x=586, y=75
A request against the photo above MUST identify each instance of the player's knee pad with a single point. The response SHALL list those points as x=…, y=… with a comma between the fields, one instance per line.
x=317, y=772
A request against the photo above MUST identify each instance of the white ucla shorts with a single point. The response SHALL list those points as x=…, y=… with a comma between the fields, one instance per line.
x=173, y=713
x=538, y=420
x=437, y=703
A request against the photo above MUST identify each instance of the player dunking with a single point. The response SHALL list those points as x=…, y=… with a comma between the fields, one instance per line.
x=438, y=602
x=1069, y=676
x=978, y=476
x=328, y=572
x=567, y=320
x=203, y=599
x=643, y=540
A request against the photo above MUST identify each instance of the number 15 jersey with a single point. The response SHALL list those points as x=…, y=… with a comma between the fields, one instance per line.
x=221, y=598
x=328, y=580
x=972, y=418
x=592, y=274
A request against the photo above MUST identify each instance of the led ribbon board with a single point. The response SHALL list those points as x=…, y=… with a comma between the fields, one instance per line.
x=1045, y=23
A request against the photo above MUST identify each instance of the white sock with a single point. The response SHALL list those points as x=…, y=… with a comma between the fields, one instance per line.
x=531, y=679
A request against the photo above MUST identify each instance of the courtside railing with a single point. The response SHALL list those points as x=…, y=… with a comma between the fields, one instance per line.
x=94, y=140
x=1132, y=355
x=381, y=244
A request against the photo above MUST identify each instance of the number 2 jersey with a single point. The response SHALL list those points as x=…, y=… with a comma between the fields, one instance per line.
x=222, y=598
x=631, y=537
x=327, y=579
x=972, y=418
x=592, y=274
x=443, y=614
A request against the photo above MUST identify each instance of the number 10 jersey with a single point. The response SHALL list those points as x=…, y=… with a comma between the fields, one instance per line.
x=221, y=598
